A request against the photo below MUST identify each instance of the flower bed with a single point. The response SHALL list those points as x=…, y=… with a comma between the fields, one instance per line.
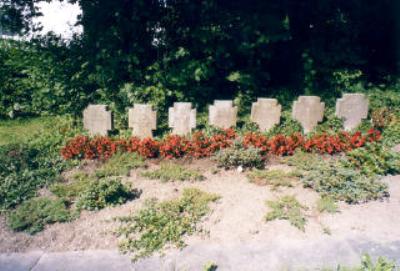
x=199, y=145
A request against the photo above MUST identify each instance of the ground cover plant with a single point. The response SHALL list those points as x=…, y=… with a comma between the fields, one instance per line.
x=120, y=164
x=32, y=215
x=287, y=208
x=327, y=204
x=238, y=156
x=163, y=223
x=73, y=189
x=104, y=192
x=368, y=264
x=173, y=172
x=273, y=177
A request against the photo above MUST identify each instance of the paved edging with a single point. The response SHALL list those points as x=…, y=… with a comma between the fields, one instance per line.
x=252, y=256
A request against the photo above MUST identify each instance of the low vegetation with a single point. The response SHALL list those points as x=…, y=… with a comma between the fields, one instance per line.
x=32, y=215
x=239, y=156
x=332, y=179
x=288, y=208
x=162, y=223
x=73, y=189
x=120, y=164
x=173, y=172
x=327, y=204
x=367, y=264
x=273, y=177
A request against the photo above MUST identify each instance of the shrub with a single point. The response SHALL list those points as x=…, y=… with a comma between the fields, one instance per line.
x=33, y=215
x=287, y=208
x=274, y=177
x=105, y=192
x=342, y=183
x=173, y=172
x=120, y=164
x=373, y=159
x=159, y=224
x=239, y=156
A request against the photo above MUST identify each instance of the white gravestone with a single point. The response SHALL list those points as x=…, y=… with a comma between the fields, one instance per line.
x=308, y=110
x=97, y=119
x=182, y=118
x=142, y=120
x=223, y=114
x=266, y=113
x=352, y=108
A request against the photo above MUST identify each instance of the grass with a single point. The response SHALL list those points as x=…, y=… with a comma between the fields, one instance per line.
x=19, y=130
x=327, y=204
x=173, y=172
x=120, y=165
x=367, y=264
x=163, y=223
x=287, y=208
x=274, y=177
x=32, y=215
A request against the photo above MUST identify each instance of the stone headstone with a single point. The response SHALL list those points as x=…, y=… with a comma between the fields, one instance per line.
x=352, y=108
x=223, y=114
x=97, y=119
x=266, y=113
x=182, y=118
x=142, y=120
x=308, y=110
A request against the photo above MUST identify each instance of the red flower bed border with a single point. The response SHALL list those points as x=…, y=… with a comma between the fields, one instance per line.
x=199, y=145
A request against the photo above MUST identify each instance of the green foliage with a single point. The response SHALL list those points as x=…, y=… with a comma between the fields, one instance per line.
x=160, y=224
x=303, y=161
x=288, y=208
x=239, y=156
x=274, y=177
x=34, y=162
x=342, y=183
x=391, y=135
x=327, y=204
x=210, y=266
x=105, y=192
x=287, y=126
x=373, y=159
x=173, y=172
x=33, y=215
x=367, y=264
x=74, y=189
x=120, y=164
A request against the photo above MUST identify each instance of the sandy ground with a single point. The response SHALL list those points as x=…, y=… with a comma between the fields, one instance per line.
x=238, y=217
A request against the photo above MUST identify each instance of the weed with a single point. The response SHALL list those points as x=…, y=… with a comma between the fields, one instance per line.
x=159, y=224
x=274, y=177
x=210, y=266
x=367, y=264
x=173, y=172
x=327, y=204
x=120, y=164
x=288, y=208
x=32, y=215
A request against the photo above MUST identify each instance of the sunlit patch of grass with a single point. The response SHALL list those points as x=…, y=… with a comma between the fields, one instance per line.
x=274, y=177
x=173, y=172
x=120, y=164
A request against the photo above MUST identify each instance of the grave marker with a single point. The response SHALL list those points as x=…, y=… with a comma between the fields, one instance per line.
x=97, y=119
x=266, y=113
x=142, y=120
x=182, y=118
x=223, y=114
x=308, y=110
x=352, y=108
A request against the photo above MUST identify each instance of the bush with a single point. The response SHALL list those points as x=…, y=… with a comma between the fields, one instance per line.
x=33, y=215
x=239, y=156
x=173, y=172
x=341, y=183
x=159, y=224
x=104, y=192
x=288, y=208
x=373, y=159
x=120, y=164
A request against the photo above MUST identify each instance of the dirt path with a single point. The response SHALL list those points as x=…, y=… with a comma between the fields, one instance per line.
x=237, y=218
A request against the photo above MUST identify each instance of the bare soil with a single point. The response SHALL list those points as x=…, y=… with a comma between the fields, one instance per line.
x=238, y=217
